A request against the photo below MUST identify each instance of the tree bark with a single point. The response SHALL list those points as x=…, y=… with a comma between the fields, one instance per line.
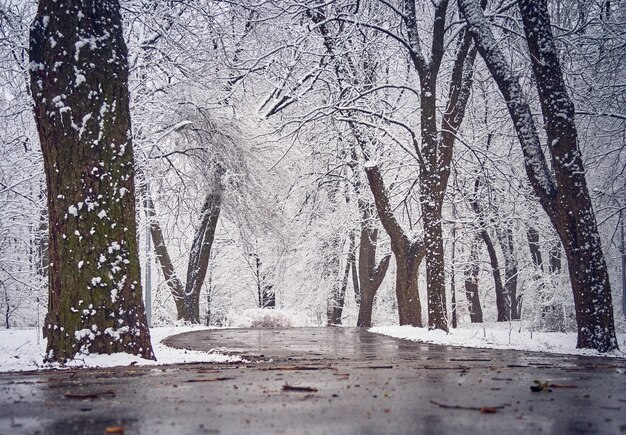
x=201, y=249
x=507, y=245
x=502, y=303
x=163, y=257
x=471, y=284
x=554, y=257
x=437, y=143
x=370, y=275
x=532, y=235
x=563, y=195
x=340, y=297
x=331, y=273
x=355, y=282
x=79, y=82
x=408, y=253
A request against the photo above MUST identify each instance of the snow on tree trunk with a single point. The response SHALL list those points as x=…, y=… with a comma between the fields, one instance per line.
x=471, y=284
x=564, y=196
x=79, y=82
x=507, y=245
x=437, y=142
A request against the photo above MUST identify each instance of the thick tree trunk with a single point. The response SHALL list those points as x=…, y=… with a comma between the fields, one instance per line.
x=435, y=273
x=471, y=284
x=43, y=258
x=79, y=82
x=564, y=194
x=408, y=253
x=437, y=143
x=201, y=250
x=407, y=267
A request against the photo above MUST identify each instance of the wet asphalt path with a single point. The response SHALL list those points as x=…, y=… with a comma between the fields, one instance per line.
x=352, y=382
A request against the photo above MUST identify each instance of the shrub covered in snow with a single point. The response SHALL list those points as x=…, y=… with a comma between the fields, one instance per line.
x=266, y=318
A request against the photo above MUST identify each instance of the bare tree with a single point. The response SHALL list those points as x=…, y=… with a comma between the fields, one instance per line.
x=562, y=191
x=408, y=252
x=371, y=273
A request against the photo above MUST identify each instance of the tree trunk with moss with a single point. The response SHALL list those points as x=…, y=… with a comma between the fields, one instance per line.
x=79, y=82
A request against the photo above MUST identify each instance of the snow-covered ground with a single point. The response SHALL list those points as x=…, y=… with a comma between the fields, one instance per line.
x=23, y=349
x=503, y=335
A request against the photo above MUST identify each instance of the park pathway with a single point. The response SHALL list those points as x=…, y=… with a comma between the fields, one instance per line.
x=324, y=381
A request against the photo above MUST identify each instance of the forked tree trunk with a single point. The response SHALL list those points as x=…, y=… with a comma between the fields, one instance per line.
x=163, y=257
x=502, y=302
x=355, y=282
x=371, y=275
x=563, y=194
x=187, y=297
x=331, y=273
x=437, y=142
x=408, y=253
x=79, y=82
x=201, y=250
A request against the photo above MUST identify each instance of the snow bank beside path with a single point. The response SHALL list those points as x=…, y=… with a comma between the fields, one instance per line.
x=23, y=349
x=499, y=336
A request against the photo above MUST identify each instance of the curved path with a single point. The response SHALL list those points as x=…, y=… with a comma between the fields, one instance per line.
x=325, y=381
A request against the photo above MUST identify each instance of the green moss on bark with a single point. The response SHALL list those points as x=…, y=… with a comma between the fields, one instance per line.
x=79, y=82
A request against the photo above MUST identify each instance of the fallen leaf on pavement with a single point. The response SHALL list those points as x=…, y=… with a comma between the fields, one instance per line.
x=288, y=387
x=224, y=378
x=69, y=395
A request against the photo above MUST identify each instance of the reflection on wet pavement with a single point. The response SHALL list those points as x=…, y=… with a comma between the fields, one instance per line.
x=355, y=382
